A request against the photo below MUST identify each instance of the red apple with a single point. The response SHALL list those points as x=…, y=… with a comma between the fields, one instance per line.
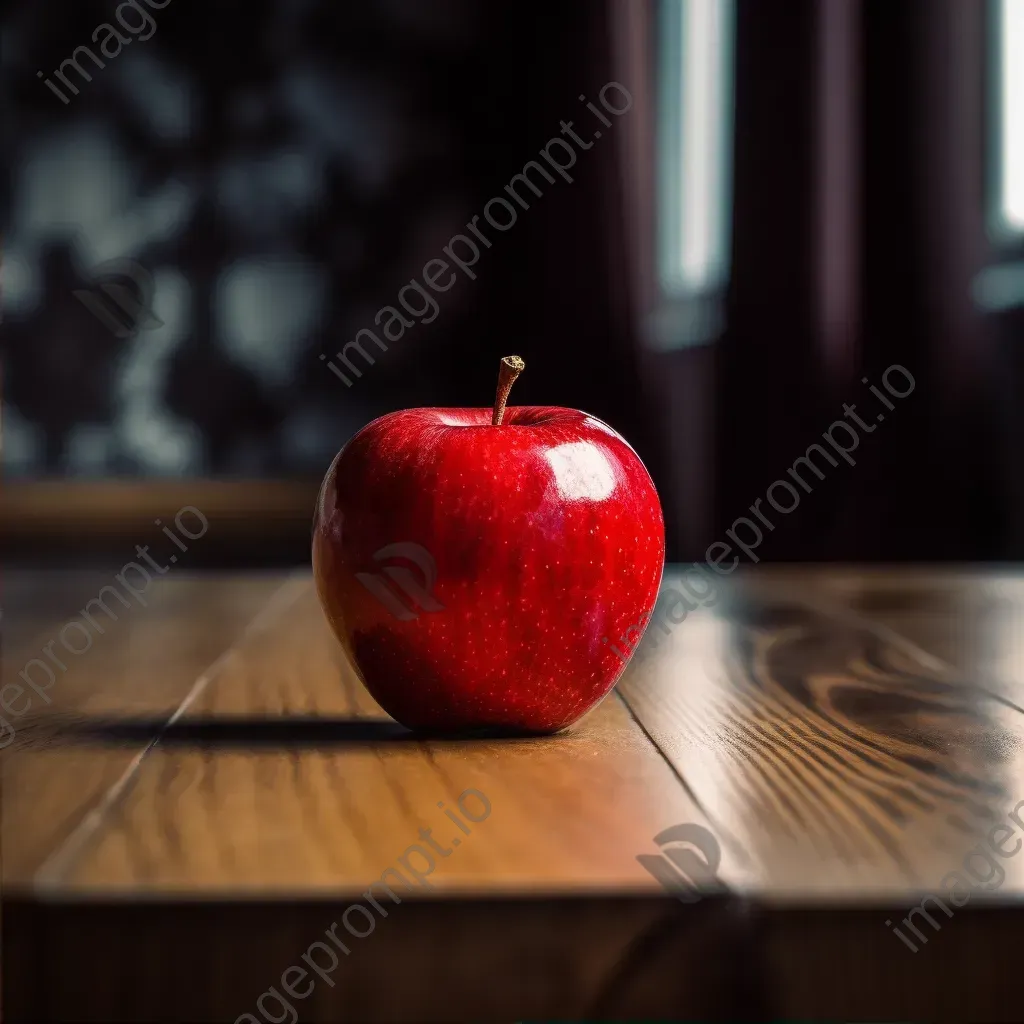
x=480, y=566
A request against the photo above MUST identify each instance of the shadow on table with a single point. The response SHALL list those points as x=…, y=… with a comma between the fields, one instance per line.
x=237, y=731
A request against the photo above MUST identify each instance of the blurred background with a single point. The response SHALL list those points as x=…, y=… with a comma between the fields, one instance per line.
x=802, y=194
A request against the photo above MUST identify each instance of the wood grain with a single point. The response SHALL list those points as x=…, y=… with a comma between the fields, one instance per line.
x=147, y=661
x=848, y=736
x=323, y=792
x=835, y=758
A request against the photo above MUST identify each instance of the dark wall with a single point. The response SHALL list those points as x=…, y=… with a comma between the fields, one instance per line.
x=282, y=168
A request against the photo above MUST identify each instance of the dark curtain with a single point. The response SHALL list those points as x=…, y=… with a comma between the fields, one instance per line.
x=892, y=208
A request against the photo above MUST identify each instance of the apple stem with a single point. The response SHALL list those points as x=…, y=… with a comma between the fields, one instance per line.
x=508, y=371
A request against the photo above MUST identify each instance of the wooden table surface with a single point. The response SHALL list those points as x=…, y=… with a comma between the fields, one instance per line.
x=210, y=788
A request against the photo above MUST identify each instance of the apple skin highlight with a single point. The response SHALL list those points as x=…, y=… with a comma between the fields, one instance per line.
x=548, y=540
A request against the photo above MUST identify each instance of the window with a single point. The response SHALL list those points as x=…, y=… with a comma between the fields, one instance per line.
x=694, y=142
x=1009, y=128
x=1000, y=287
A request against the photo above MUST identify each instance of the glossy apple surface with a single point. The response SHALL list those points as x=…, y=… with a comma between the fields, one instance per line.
x=547, y=541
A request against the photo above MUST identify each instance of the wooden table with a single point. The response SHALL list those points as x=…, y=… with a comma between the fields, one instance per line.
x=210, y=790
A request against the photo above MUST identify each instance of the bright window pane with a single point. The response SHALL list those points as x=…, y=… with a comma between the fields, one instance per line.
x=1011, y=104
x=695, y=151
